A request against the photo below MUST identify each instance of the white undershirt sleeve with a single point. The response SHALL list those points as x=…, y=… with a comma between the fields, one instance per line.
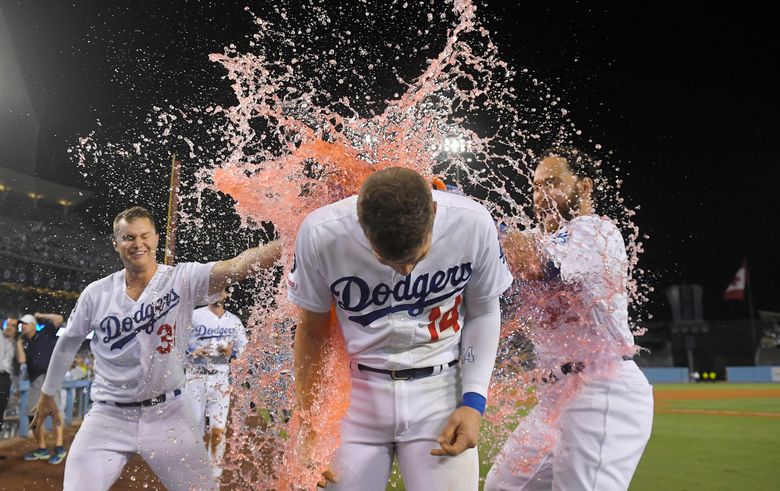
x=479, y=343
x=68, y=344
x=60, y=362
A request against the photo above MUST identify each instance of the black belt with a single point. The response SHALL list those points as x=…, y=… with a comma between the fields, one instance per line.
x=206, y=371
x=149, y=402
x=578, y=366
x=408, y=373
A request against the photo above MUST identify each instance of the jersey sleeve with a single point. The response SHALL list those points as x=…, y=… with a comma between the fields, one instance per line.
x=306, y=284
x=590, y=252
x=197, y=277
x=490, y=274
x=79, y=324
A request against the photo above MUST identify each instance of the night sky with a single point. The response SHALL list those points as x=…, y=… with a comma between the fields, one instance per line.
x=684, y=98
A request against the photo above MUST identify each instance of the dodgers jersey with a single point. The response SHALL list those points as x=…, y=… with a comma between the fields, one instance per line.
x=140, y=346
x=391, y=321
x=208, y=331
x=589, y=254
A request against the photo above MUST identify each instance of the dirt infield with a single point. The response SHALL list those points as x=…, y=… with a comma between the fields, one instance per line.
x=18, y=475
x=716, y=392
x=15, y=474
x=665, y=399
x=714, y=412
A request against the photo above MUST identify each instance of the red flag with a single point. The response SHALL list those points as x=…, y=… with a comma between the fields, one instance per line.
x=736, y=290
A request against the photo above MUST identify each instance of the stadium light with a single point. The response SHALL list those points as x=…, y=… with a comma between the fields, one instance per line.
x=454, y=144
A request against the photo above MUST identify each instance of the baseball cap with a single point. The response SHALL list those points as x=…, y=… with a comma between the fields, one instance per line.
x=28, y=319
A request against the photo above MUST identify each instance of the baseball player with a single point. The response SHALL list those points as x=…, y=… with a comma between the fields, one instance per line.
x=595, y=413
x=415, y=276
x=140, y=318
x=217, y=336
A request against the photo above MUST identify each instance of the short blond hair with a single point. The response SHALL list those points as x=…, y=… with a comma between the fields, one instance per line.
x=132, y=214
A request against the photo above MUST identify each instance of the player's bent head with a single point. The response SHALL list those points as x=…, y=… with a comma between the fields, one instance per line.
x=132, y=214
x=396, y=211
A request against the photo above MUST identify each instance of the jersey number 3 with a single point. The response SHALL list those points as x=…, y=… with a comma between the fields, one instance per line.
x=448, y=320
x=167, y=340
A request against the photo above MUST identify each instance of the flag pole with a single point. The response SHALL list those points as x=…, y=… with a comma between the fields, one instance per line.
x=749, y=286
x=173, y=208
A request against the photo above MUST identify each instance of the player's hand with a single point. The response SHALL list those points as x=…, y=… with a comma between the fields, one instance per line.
x=225, y=349
x=200, y=352
x=306, y=447
x=327, y=477
x=46, y=407
x=461, y=432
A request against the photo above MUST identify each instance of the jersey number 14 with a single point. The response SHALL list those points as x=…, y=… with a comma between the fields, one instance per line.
x=440, y=323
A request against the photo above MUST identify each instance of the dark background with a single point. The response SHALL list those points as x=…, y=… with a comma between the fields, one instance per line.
x=683, y=96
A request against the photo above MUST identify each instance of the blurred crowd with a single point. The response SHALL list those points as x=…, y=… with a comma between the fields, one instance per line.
x=64, y=245
x=26, y=347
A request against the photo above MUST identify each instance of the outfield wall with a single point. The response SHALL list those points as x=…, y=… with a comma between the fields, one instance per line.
x=753, y=374
x=666, y=375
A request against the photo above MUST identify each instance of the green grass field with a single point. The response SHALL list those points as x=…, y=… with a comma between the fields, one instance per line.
x=727, y=437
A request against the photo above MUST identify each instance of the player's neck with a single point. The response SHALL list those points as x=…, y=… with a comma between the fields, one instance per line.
x=218, y=310
x=139, y=278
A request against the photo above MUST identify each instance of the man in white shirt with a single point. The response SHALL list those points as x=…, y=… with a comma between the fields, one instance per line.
x=414, y=276
x=140, y=317
x=594, y=415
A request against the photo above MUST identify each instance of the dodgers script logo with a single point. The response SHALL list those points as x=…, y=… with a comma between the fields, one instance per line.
x=355, y=295
x=142, y=320
x=203, y=332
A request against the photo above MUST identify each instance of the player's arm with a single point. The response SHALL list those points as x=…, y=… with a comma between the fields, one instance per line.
x=311, y=337
x=21, y=356
x=523, y=254
x=479, y=343
x=55, y=320
x=243, y=266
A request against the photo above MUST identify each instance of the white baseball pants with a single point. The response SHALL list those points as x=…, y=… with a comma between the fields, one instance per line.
x=604, y=431
x=164, y=435
x=402, y=419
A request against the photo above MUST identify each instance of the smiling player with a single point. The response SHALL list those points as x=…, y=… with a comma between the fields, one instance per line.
x=140, y=317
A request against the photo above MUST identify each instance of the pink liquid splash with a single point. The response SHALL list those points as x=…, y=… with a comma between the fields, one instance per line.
x=288, y=146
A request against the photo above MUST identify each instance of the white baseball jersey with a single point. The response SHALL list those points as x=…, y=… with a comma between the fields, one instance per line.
x=140, y=346
x=208, y=331
x=589, y=251
x=391, y=321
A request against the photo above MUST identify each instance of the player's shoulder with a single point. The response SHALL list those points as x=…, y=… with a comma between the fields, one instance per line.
x=184, y=270
x=594, y=228
x=104, y=284
x=459, y=204
x=342, y=210
x=200, y=310
x=460, y=208
x=594, y=224
x=233, y=317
